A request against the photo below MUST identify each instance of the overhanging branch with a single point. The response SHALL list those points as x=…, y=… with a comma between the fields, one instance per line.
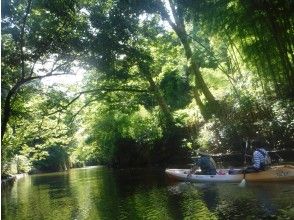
x=102, y=89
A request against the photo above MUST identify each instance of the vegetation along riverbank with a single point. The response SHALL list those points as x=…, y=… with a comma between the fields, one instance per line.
x=142, y=83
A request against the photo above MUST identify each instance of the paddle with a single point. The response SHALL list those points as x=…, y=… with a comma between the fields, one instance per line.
x=280, y=160
x=243, y=182
x=192, y=170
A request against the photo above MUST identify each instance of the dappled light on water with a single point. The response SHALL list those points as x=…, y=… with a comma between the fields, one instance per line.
x=101, y=193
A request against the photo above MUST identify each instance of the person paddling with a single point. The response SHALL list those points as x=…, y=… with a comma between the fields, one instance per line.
x=260, y=158
x=206, y=164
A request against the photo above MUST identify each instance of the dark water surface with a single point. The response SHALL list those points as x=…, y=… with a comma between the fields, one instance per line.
x=102, y=193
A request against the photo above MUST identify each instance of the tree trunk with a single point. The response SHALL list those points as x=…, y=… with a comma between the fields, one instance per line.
x=6, y=112
x=279, y=37
x=161, y=102
x=180, y=30
x=7, y=104
x=199, y=103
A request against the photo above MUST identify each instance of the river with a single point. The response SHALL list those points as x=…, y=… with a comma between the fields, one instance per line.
x=103, y=193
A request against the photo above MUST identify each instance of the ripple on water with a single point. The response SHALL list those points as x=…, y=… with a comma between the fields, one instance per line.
x=101, y=193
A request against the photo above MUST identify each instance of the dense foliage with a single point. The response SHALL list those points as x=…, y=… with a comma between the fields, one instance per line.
x=162, y=78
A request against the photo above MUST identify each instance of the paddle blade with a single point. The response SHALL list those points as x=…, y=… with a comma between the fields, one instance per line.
x=243, y=183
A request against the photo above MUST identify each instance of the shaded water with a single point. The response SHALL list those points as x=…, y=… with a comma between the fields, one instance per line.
x=102, y=193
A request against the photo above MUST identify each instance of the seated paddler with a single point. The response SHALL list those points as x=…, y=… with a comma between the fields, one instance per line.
x=205, y=162
x=260, y=157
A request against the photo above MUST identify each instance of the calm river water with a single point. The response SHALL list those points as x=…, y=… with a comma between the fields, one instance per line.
x=102, y=193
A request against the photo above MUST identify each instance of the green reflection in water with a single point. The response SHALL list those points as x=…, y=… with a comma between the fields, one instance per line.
x=33, y=197
x=148, y=205
x=193, y=205
x=101, y=193
x=127, y=198
x=85, y=194
x=85, y=185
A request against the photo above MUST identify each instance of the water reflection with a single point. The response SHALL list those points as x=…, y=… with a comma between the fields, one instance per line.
x=228, y=201
x=264, y=198
x=101, y=193
x=197, y=200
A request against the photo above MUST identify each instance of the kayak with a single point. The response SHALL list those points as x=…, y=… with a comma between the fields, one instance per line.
x=273, y=173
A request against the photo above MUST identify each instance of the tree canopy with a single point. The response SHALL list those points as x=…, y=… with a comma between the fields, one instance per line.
x=162, y=78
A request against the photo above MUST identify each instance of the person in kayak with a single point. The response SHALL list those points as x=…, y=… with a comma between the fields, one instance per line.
x=206, y=164
x=260, y=158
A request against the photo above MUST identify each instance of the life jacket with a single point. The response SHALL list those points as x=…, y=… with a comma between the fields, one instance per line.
x=267, y=159
x=207, y=165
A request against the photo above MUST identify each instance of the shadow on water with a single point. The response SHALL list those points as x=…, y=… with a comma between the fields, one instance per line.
x=102, y=193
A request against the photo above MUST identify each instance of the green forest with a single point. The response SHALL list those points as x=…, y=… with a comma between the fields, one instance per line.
x=161, y=78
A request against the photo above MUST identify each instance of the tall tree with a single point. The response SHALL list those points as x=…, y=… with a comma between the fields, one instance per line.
x=176, y=17
x=36, y=39
x=261, y=32
x=119, y=49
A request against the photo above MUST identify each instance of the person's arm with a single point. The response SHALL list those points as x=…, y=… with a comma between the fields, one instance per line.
x=192, y=170
x=194, y=167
